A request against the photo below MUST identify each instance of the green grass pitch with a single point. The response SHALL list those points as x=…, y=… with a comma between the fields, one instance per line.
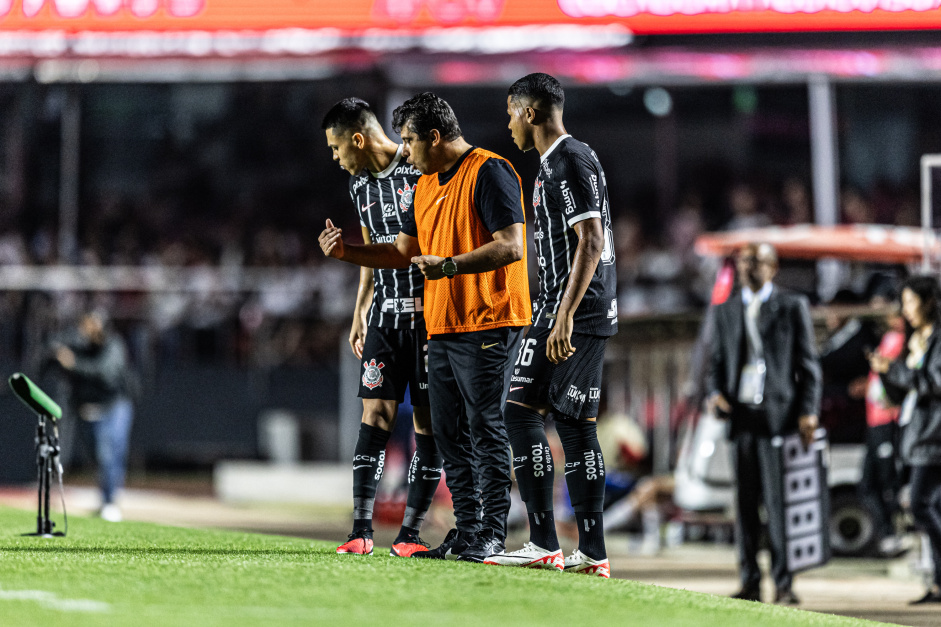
x=139, y=575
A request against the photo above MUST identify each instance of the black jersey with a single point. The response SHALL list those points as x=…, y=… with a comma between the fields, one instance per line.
x=382, y=202
x=571, y=187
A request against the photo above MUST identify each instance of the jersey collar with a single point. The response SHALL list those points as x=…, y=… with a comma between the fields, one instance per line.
x=552, y=147
x=389, y=170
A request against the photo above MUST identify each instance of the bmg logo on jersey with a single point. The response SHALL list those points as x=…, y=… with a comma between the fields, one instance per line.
x=372, y=376
x=569, y=199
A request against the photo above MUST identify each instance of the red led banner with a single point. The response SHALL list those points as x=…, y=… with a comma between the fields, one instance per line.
x=358, y=16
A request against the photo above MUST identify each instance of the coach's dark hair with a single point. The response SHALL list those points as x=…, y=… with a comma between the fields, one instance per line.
x=927, y=289
x=540, y=88
x=348, y=114
x=425, y=112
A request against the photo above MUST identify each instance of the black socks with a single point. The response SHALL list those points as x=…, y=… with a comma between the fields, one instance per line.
x=584, y=474
x=368, y=459
x=424, y=474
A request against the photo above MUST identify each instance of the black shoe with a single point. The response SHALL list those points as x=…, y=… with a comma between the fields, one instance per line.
x=748, y=593
x=930, y=597
x=455, y=543
x=483, y=547
x=786, y=597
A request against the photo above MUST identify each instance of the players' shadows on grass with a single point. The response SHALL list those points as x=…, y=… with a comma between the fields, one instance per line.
x=160, y=551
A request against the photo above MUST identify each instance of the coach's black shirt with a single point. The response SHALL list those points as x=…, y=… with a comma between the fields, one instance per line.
x=571, y=187
x=383, y=202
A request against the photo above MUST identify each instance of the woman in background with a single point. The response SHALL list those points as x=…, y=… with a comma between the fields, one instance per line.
x=918, y=377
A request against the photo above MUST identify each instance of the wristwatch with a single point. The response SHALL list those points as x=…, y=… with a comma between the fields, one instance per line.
x=449, y=268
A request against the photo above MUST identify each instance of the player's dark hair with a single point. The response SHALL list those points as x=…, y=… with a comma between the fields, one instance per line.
x=350, y=114
x=540, y=88
x=928, y=291
x=425, y=112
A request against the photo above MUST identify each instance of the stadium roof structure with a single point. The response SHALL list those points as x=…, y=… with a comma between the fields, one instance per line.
x=447, y=41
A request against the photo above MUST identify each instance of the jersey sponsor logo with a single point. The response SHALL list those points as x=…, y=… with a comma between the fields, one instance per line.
x=539, y=234
x=440, y=199
x=359, y=182
x=569, y=199
x=385, y=238
x=406, y=196
x=594, y=394
x=518, y=387
x=406, y=169
x=594, y=187
x=613, y=310
x=372, y=376
x=547, y=169
x=537, y=193
x=402, y=305
x=575, y=394
x=388, y=210
x=485, y=346
x=365, y=207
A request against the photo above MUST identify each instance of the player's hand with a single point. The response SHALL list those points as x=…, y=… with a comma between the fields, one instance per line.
x=719, y=406
x=358, y=336
x=807, y=425
x=559, y=345
x=330, y=241
x=430, y=266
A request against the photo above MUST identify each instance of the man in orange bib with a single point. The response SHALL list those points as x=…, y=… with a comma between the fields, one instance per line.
x=467, y=236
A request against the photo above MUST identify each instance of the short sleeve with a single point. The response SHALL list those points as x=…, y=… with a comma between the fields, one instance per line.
x=580, y=180
x=498, y=195
x=408, y=223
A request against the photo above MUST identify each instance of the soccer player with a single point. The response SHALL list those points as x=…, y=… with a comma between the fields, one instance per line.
x=468, y=221
x=558, y=369
x=388, y=331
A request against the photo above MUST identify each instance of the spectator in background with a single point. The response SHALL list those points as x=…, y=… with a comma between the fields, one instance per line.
x=746, y=209
x=94, y=359
x=879, y=485
x=855, y=207
x=796, y=202
x=917, y=378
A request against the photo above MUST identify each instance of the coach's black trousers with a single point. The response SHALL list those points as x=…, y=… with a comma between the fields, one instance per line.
x=467, y=375
x=758, y=476
x=926, y=509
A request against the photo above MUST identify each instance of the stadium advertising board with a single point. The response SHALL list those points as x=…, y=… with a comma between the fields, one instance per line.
x=358, y=16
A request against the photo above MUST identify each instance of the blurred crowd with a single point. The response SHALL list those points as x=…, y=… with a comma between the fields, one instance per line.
x=299, y=318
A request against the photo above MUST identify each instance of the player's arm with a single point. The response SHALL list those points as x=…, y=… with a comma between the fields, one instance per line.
x=395, y=255
x=499, y=201
x=587, y=256
x=363, y=299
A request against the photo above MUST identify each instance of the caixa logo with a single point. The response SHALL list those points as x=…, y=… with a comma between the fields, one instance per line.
x=443, y=11
x=137, y=8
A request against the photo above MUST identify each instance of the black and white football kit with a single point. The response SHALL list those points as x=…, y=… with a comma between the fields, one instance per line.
x=570, y=187
x=395, y=354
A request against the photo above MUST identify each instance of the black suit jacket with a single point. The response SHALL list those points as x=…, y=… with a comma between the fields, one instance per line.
x=793, y=383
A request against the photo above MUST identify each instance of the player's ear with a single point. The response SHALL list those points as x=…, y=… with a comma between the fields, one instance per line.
x=359, y=140
x=530, y=115
x=435, y=136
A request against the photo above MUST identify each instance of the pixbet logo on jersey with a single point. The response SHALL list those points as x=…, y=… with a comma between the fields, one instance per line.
x=137, y=8
x=372, y=377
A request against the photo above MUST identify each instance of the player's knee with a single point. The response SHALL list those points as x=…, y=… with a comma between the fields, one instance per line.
x=574, y=434
x=380, y=415
x=520, y=418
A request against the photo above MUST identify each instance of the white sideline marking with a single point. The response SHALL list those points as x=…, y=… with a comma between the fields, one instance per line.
x=50, y=601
